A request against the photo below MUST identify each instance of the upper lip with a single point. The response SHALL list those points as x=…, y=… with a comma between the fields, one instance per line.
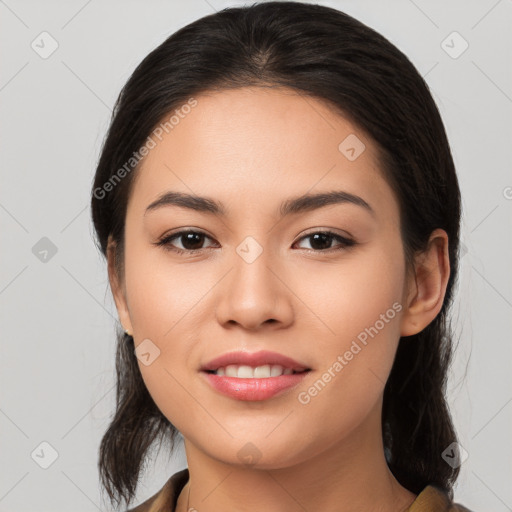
x=254, y=359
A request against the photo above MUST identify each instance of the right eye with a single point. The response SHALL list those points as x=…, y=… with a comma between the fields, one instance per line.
x=190, y=240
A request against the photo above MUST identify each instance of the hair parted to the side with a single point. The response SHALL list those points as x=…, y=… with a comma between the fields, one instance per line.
x=323, y=53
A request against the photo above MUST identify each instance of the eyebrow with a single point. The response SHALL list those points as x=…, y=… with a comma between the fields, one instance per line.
x=295, y=205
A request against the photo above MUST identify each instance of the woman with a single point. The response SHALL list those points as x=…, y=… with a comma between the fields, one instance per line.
x=279, y=209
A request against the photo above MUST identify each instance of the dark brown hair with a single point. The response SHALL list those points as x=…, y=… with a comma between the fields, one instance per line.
x=323, y=53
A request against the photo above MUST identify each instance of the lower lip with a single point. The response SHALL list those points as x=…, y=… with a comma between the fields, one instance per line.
x=253, y=389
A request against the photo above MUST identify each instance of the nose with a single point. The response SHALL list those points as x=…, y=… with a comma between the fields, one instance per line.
x=255, y=295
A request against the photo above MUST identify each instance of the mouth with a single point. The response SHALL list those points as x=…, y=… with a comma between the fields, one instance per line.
x=254, y=376
x=259, y=372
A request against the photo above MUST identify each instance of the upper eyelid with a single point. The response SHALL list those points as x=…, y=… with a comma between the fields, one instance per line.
x=199, y=231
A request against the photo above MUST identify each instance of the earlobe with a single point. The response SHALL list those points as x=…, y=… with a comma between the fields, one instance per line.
x=427, y=287
x=117, y=288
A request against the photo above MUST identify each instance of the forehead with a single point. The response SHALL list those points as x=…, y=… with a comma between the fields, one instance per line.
x=258, y=146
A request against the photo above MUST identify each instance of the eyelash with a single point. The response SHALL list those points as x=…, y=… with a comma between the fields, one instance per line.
x=165, y=242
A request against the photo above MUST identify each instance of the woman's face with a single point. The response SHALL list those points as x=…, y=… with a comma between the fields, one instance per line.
x=258, y=280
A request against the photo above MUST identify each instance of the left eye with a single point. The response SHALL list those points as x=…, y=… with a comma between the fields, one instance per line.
x=193, y=240
x=323, y=238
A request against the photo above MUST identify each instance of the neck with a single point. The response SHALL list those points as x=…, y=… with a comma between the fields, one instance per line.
x=349, y=476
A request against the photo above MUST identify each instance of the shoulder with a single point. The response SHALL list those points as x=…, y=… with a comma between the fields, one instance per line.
x=165, y=498
x=435, y=499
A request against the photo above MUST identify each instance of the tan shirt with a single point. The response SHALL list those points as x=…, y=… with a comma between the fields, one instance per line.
x=431, y=499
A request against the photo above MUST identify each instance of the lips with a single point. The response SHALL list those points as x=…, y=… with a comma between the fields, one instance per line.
x=255, y=359
x=259, y=376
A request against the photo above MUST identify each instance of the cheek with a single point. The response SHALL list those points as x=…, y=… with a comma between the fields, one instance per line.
x=360, y=312
x=161, y=293
x=353, y=295
x=167, y=315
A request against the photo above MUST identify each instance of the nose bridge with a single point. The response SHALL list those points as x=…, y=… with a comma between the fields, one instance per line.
x=253, y=293
x=252, y=280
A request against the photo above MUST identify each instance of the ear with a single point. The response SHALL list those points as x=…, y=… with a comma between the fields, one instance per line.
x=427, y=287
x=117, y=288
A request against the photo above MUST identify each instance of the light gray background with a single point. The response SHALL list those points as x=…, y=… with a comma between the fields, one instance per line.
x=57, y=316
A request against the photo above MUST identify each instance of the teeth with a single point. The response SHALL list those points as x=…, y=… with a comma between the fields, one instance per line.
x=248, y=372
